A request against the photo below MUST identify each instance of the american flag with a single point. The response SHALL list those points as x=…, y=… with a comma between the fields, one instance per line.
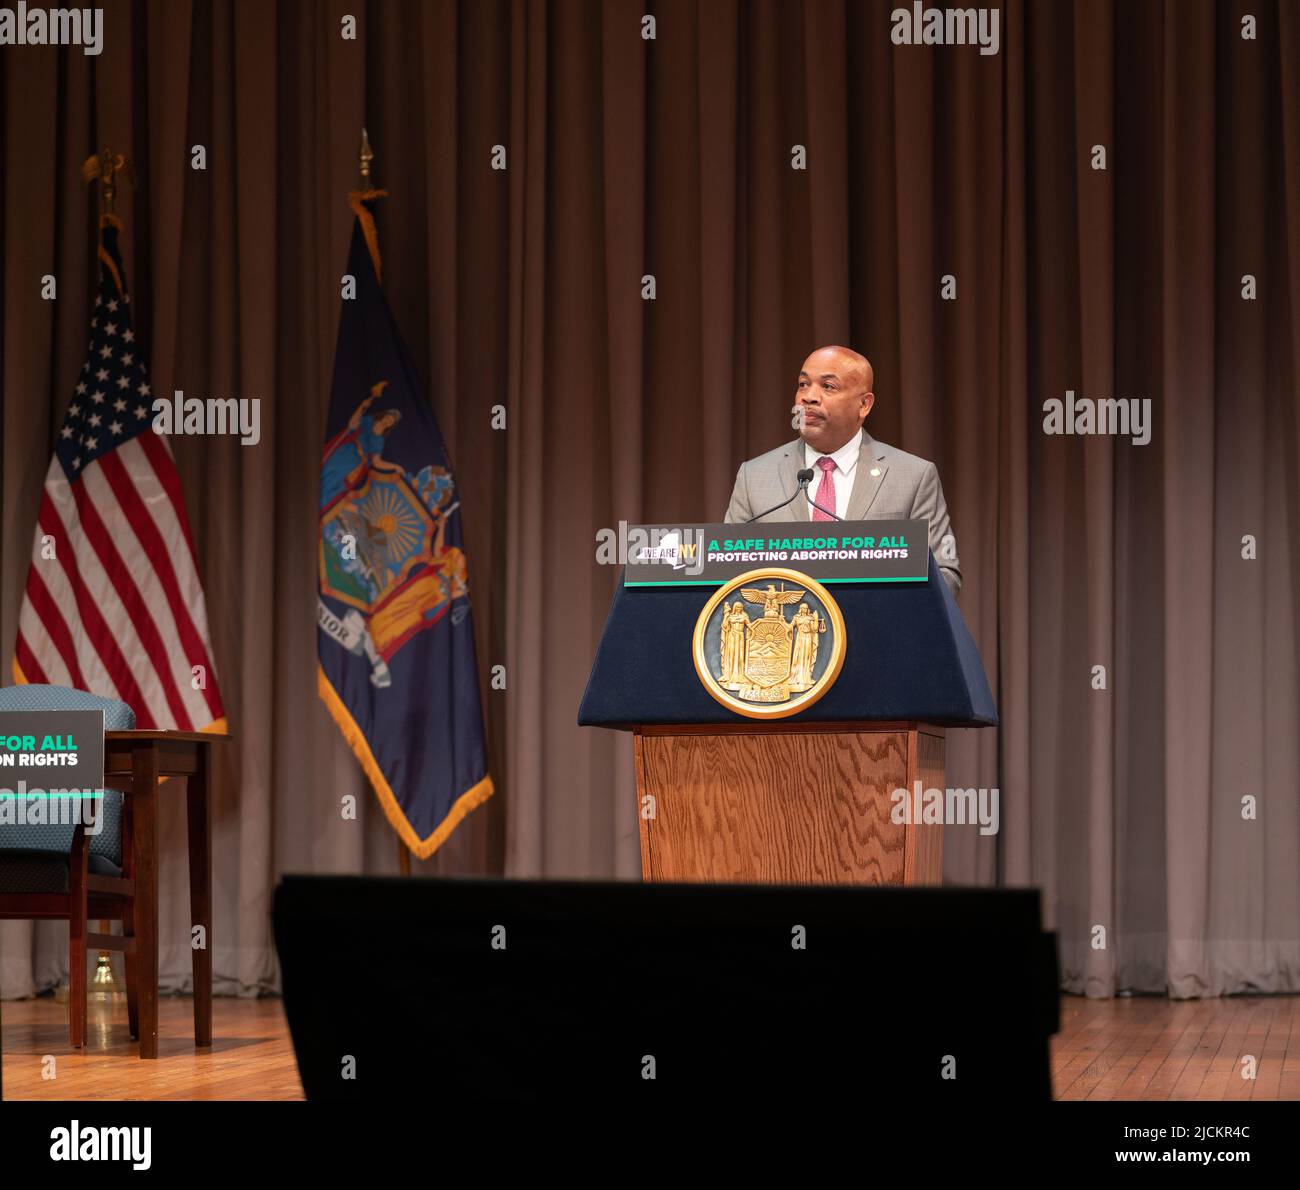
x=113, y=603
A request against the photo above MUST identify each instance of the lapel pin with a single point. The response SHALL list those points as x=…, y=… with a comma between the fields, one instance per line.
x=875, y=470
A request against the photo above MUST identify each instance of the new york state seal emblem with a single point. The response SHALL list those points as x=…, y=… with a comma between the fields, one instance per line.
x=769, y=643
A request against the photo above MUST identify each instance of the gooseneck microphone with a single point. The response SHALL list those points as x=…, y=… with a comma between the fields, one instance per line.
x=805, y=478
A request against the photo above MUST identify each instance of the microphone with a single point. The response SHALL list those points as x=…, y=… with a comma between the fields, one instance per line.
x=805, y=478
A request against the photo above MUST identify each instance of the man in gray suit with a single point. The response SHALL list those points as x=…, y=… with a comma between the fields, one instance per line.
x=854, y=476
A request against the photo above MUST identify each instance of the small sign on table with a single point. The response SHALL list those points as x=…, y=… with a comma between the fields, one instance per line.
x=49, y=757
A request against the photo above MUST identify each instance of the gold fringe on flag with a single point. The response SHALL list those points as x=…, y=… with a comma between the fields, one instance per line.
x=473, y=797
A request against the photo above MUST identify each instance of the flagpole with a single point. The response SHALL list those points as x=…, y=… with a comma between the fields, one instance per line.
x=103, y=167
x=367, y=185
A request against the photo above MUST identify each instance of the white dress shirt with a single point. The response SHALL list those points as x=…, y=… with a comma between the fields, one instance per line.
x=846, y=466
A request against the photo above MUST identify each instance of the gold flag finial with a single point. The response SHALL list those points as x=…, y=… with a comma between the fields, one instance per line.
x=367, y=156
x=103, y=167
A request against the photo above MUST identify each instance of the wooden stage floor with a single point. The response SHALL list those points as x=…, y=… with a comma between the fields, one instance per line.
x=251, y=1055
x=1139, y=1048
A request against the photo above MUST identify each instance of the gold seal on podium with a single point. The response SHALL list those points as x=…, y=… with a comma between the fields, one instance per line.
x=778, y=661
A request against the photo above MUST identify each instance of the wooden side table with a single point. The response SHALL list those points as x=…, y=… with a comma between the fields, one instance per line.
x=146, y=758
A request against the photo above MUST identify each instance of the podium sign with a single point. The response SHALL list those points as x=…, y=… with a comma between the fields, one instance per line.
x=829, y=551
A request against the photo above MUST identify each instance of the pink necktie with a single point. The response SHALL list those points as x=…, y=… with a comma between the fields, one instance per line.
x=825, y=490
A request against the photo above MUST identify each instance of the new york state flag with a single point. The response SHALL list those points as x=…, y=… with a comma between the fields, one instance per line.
x=395, y=633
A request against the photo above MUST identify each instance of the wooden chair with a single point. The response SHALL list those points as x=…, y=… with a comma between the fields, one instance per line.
x=59, y=871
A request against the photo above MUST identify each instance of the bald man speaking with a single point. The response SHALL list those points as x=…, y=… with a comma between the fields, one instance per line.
x=853, y=475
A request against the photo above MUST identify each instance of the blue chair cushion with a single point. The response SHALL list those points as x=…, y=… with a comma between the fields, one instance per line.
x=22, y=842
x=43, y=872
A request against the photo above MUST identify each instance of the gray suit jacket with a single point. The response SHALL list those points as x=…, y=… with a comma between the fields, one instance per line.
x=907, y=486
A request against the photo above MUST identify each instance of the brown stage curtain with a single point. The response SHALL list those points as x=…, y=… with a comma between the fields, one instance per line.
x=522, y=287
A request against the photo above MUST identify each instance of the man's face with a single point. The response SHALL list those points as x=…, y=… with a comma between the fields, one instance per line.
x=833, y=398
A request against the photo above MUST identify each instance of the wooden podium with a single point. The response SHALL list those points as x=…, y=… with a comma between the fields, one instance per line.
x=787, y=802
x=805, y=799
